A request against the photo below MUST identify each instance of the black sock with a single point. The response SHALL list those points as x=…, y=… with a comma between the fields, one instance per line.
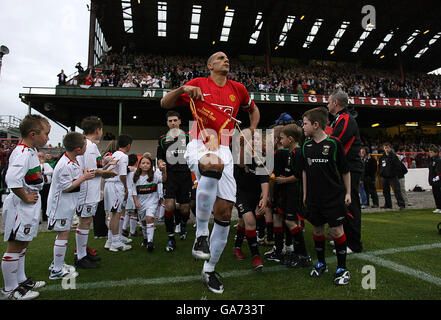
x=278, y=239
x=184, y=219
x=178, y=216
x=288, y=236
x=260, y=223
x=269, y=231
x=240, y=233
x=169, y=223
x=299, y=241
x=252, y=242
x=340, y=250
x=319, y=243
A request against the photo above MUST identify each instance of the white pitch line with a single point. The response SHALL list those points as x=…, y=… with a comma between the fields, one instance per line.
x=400, y=268
x=230, y=274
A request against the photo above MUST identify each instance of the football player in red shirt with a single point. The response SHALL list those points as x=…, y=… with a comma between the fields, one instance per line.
x=220, y=99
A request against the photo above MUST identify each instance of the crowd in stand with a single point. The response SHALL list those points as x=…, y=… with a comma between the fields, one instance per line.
x=153, y=71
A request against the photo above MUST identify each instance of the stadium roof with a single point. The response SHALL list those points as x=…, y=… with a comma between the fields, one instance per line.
x=323, y=29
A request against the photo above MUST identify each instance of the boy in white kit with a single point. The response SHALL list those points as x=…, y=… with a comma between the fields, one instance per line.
x=89, y=191
x=116, y=193
x=21, y=209
x=63, y=200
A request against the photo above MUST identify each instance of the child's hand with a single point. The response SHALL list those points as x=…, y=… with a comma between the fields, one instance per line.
x=137, y=205
x=108, y=174
x=31, y=198
x=279, y=180
x=161, y=165
x=262, y=206
x=88, y=174
x=348, y=200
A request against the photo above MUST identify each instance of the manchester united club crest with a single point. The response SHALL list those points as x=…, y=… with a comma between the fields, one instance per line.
x=232, y=97
x=325, y=150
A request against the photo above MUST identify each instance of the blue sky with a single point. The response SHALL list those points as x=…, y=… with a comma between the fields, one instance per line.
x=43, y=37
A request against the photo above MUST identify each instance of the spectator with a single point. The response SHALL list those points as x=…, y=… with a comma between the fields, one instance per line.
x=402, y=179
x=389, y=170
x=435, y=176
x=62, y=78
x=369, y=176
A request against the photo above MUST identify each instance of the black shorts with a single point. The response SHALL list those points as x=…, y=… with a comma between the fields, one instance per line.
x=333, y=214
x=178, y=186
x=246, y=202
x=288, y=202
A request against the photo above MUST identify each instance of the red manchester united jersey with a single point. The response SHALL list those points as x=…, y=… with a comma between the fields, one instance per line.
x=227, y=99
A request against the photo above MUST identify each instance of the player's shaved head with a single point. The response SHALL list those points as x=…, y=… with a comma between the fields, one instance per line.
x=213, y=56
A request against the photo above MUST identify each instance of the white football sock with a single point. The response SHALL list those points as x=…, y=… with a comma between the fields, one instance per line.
x=60, y=247
x=81, y=237
x=120, y=226
x=150, y=231
x=132, y=224
x=205, y=198
x=218, y=241
x=161, y=211
x=126, y=221
x=9, y=270
x=21, y=275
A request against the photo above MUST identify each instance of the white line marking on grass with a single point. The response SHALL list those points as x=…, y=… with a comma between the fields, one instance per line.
x=238, y=273
x=405, y=249
x=400, y=268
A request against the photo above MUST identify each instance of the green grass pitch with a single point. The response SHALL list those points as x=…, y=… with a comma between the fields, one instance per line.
x=409, y=270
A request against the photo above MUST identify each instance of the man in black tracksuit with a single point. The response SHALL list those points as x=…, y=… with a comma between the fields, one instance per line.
x=370, y=171
x=435, y=176
x=171, y=149
x=345, y=129
x=389, y=170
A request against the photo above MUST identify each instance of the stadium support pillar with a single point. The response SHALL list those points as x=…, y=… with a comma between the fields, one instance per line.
x=92, y=34
x=120, y=118
x=267, y=50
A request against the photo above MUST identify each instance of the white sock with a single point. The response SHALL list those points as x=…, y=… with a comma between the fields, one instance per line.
x=120, y=226
x=218, y=241
x=205, y=198
x=81, y=237
x=126, y=221
x=150, y=231
x=9, y=270
x=116, y=238
x=161, y=210
x=133, y=224
x=109, y=235
x=60, y=247
x=144, y=231
x=21, y=275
